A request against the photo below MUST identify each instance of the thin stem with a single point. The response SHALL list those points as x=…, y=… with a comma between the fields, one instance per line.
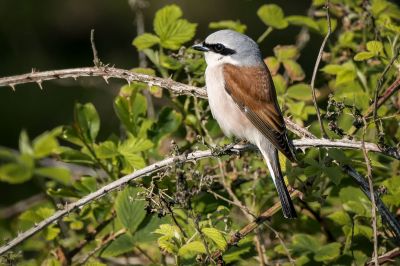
x=317, y=62
x=264, y=35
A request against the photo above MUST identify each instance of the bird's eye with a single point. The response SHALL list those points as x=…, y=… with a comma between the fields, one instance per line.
x=219, y=47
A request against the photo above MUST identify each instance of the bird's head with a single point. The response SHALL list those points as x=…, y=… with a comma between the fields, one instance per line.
x=227, y=46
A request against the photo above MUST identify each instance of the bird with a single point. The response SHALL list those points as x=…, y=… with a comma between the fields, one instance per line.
x=243, y=101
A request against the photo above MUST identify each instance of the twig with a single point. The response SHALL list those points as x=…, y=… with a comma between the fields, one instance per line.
x=372, y=195
x=104, y=243
x=96, y=60
x=89, y=237
x=387, y=257
x=240, y=206
x=317, y=62
x=380, y=82
x=253, y=225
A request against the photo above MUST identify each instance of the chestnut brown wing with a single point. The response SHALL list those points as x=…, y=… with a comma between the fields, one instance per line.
x=252, y=89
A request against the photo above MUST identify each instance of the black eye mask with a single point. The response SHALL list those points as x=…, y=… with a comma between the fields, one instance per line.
x=219, y=48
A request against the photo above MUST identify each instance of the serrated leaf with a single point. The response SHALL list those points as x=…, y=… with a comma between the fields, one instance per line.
x=340, y=217
x=375, y=47
x=130, y=208
x=294, y=70
x=215, y=236
x=172, y=30
x=69, y=155
x=61, y=175
x=133, y=145
x=272, y=15
x=328, y=252
x=273, y=64
x=300, y=91
x=166, y=245
x=168, y=230
x=106, y=150
x=303, y=21
x=361, y=56
x=228, y=24
x=88, y=121
x=304, y=243
x=145, y=40
x=284, y=52
x=196, y=247
x=119, y=246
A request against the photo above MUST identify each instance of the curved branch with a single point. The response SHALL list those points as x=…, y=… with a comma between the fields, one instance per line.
x=111, y=187
x=104, y=72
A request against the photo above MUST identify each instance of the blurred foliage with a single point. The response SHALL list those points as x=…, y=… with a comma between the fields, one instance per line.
x=180, y=215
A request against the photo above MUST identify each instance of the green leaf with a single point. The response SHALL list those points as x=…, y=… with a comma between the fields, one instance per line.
x=172, y=30
x=119, y=246
x=302, y=243
x=88, y=121
x=273, y=64
x=144, y=232
x=69, y=155
x=86, y=184
x=44, y=145
x=340, y=217
x=145, y=40
x=332, y=69
x=106, y=150
x=272, y=15
x=375, y=47
x=303, y=21
x=196, y=247
x=215, y=236
x=300, y=91
x=334, y=173
x=169, y=121
x=323, y=25
x=294, y=70
x=283, y=52
x=228, y=24
x=130, y=208
x=166, y=245
x=133, y=145
x=168, y=230
x=280, y=84
x=61, y=175
x=19, y=172
x=328, y=252
x=170, y=63
x=361, y=56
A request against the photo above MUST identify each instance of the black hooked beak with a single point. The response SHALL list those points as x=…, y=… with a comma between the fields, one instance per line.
x=200, y=47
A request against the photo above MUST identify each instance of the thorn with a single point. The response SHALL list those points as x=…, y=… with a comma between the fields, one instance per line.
x=75, y=77
x=39, y=82
x=128, y=81
x=106, y=79
x=12, y=86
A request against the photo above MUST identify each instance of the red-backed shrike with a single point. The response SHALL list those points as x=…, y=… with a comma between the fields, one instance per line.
x=242, y=99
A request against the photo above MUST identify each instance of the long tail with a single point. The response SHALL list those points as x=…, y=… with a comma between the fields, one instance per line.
x=271, y=156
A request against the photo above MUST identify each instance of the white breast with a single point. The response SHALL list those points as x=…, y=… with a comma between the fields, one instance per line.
x=228, y=115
